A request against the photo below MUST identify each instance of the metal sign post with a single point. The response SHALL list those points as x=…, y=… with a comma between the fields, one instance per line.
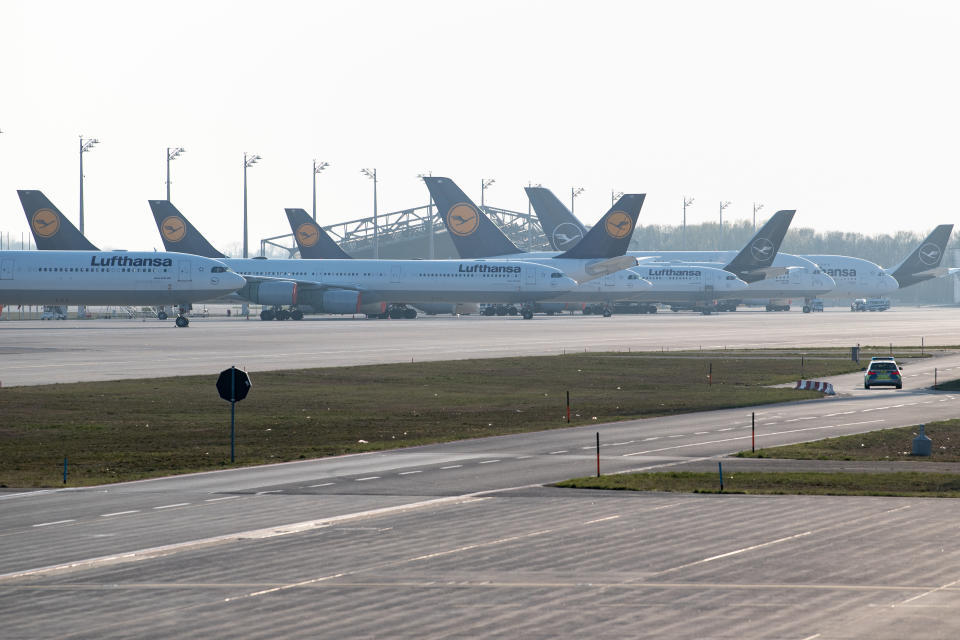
x=233, y=385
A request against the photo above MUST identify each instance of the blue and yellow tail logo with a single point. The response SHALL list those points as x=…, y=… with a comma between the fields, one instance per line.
x=463, y=219
x=173, y=228
x=618, y=225
x=45, y=223
x=307, y=234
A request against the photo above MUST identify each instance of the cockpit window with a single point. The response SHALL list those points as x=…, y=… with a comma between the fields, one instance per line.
x=218, y=270
x=556, y=275
x=731, y=277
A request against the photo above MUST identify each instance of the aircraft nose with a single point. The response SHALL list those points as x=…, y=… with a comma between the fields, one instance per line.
x=888, y=283
x=232, y=281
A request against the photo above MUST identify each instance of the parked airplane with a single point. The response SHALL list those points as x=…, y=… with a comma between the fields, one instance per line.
x=661, y=284
x=56, y=277
x=315, y=243
x=772, y=276
x=362, y=286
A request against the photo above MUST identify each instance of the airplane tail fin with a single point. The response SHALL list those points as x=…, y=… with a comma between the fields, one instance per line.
x=313, y=241
x=51, y=229
x=562, y=229
x=925, y=258
x=610, y=237
x=751, y=263
x=177, y=232
x=473, y=233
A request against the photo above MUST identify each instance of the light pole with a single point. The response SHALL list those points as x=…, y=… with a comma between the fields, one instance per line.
x=686, y=203
x=574, y=192
x=372, y=174
x=85, y=145
x=249, y=159
x=614, y=196
x=317, y=168
x=484, y=184
x=723, y=205
x=756, y=207
x=432, y=251
x=171, y=155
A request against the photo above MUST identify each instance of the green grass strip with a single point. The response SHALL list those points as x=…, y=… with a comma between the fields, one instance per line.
x=909, y=484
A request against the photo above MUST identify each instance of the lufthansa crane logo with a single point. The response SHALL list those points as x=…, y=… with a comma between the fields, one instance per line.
x=762, y=249
x=618, y=225
x=307, y=234
x=173, y=228
x=463, y=219
x=45, y=223
x=929, y=254
x=566, y=235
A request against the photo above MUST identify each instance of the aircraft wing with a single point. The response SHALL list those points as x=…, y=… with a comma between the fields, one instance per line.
x=766, y=272
x=303, y=285
x=601, y=268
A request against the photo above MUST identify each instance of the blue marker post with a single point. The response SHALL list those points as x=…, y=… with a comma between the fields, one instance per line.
x=720, y=467
x=64, y=469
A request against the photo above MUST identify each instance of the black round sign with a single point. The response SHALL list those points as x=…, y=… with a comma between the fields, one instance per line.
x=236, y=380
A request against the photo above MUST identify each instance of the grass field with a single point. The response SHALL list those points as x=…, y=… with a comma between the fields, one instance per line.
x=932, y=485
x=124, y=430
x=888, y=444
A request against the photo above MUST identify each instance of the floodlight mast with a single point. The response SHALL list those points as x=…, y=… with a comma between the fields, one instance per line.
x=86, y=144
x=432, y=251
x=249, y=159
x=756, y=207
x=317, y=168
x=485, y=183
x=686, y=203
x=723, y=205
x=574, y=192
x=372, y=174
x=172, y=153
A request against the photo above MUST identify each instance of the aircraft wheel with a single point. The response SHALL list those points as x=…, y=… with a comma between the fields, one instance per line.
x=806, y=309
x=409, y=313
x=296, y=314
x=607, y=313
x=182, y=321
x=527, y=314
x=266, y=314
x=161, y=315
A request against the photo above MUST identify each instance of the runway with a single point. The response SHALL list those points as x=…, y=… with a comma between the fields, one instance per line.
x=464, y=540
x=39, y=352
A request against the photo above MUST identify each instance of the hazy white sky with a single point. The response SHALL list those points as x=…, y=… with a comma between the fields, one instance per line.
x=846, y=111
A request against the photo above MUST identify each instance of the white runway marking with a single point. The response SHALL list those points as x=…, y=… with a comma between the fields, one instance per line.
x=368, y=478
x=323, y=484
x=492, y=461
x=452, y=466
x=601, y=519
x=407, y=473
x=218, y=499
x=118, y=513
x=48, y=524
x=739, y=551
x=171, y=506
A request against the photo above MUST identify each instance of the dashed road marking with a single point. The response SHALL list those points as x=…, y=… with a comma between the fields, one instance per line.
x=407, y=473
x=171, y=506
x=118, y=513
x=49, y=524
x=322, y=484
x=368, y=478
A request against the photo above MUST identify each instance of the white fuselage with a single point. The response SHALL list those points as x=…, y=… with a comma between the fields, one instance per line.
x=111, y=278
x=855, y=277
x=401, y=281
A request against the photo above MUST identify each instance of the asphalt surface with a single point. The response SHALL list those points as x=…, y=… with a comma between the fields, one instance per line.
x=464, y=540
x=40, y=352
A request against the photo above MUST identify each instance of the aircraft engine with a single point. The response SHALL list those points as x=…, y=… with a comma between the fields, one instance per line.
x=340, y=301
x=271, y=293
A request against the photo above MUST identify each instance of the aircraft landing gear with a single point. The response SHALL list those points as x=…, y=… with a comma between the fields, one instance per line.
x=182, y=320
x=161, y=315
x=606, y=312
x=527, y=313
